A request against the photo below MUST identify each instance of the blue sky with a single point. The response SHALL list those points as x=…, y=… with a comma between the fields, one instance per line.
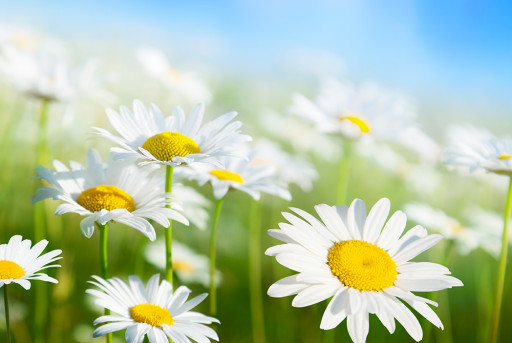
x=458, y=50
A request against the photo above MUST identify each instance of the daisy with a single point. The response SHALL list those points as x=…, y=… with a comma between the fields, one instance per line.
x=189, y=266
x=19, y=262
x=466, y=238
x=356, y=112
x=346, y=256
x=145, y=134
x=195, y=205
x=186, y=84
x=482, y=152
x=115, y=191
x=287, y=168
x=240, y=174
x=152, y=310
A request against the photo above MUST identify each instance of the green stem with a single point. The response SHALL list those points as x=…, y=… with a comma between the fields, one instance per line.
x=168, y=231
x=104, y=262
x=213, y=290
x=40, y=225
x=500, y=282
x=343, y=175
x=258, y=323
x=7, y=326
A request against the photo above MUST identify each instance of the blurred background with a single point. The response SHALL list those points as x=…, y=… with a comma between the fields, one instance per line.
x=450, y=60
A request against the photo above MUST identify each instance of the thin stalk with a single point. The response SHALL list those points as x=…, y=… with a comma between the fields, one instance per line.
x=40, y=225
x=168, y=231
x=502, y=267
x=343, y=175
x=213, y=289
x=104, y=262
x=7, y=326
x=258, y=322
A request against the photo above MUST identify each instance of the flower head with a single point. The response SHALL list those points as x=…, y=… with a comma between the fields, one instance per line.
x=102, y=192
x=355, y=112
x=478, y=149
x=147, y=135
x=346, y=256
x=240, y=174
x=19, y=262
x=152, y=310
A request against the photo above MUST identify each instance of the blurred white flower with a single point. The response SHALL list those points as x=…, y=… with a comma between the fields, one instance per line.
x=145, y=134
x=466, y=238
x=187, y=84
x=194, y=205
x=356, y=112
x=189, y=266
x=299, y=133
x=117, y=191
x=237, y=173
x=478, y=149
x=490, y=225
x=287, y=168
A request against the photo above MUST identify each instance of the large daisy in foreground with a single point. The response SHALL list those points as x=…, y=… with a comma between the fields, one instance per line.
x=20, y=263
x=346, y=256
x=152, y=310
x=117, y=191
x=145, y=134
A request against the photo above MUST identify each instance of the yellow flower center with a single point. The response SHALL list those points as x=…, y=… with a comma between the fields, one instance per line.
x=226, y=175
x=505, y=156
x=151, y=314
x=456, y=227
x=10, y=270
x=361, y=265
x=182, y=267
x=166, y=145
x=358, y=121
x=105, y=197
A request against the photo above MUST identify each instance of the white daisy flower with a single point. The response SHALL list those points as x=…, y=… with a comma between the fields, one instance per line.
x=146, y=134
x=195, y=205
x=20, y=263
x=466, y=238
x=189, y=266
x=479, y=151
x=152, y=310
x=237, y=173
x=188, y=85
x=287, y=168
x=354, y=112
x=116, y=191
x=490, y=226
x=346, y=256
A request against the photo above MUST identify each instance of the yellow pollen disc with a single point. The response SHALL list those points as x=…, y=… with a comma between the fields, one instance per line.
x=361, y=124
x=362, y=265
x=105, y=197
x=167, y=145
x=151, y=314
x=505, y=157
x=456, y=227
x=10, y=270
x=226, y=175
x=182, y=266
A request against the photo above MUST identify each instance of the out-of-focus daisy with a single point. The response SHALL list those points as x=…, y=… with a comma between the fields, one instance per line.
x=483, y=151
x=346, y=256
x=287, y=168
x=184, y=83
x=490, y=226
x=189, y=266
x=147, y=135
x=152, y=310
x=240, y=174
x=195, y=205
x=47, y=75
x=101, y=192
x=300, y=135
x=355, y=112
x=20, y=263
x=465, y=238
